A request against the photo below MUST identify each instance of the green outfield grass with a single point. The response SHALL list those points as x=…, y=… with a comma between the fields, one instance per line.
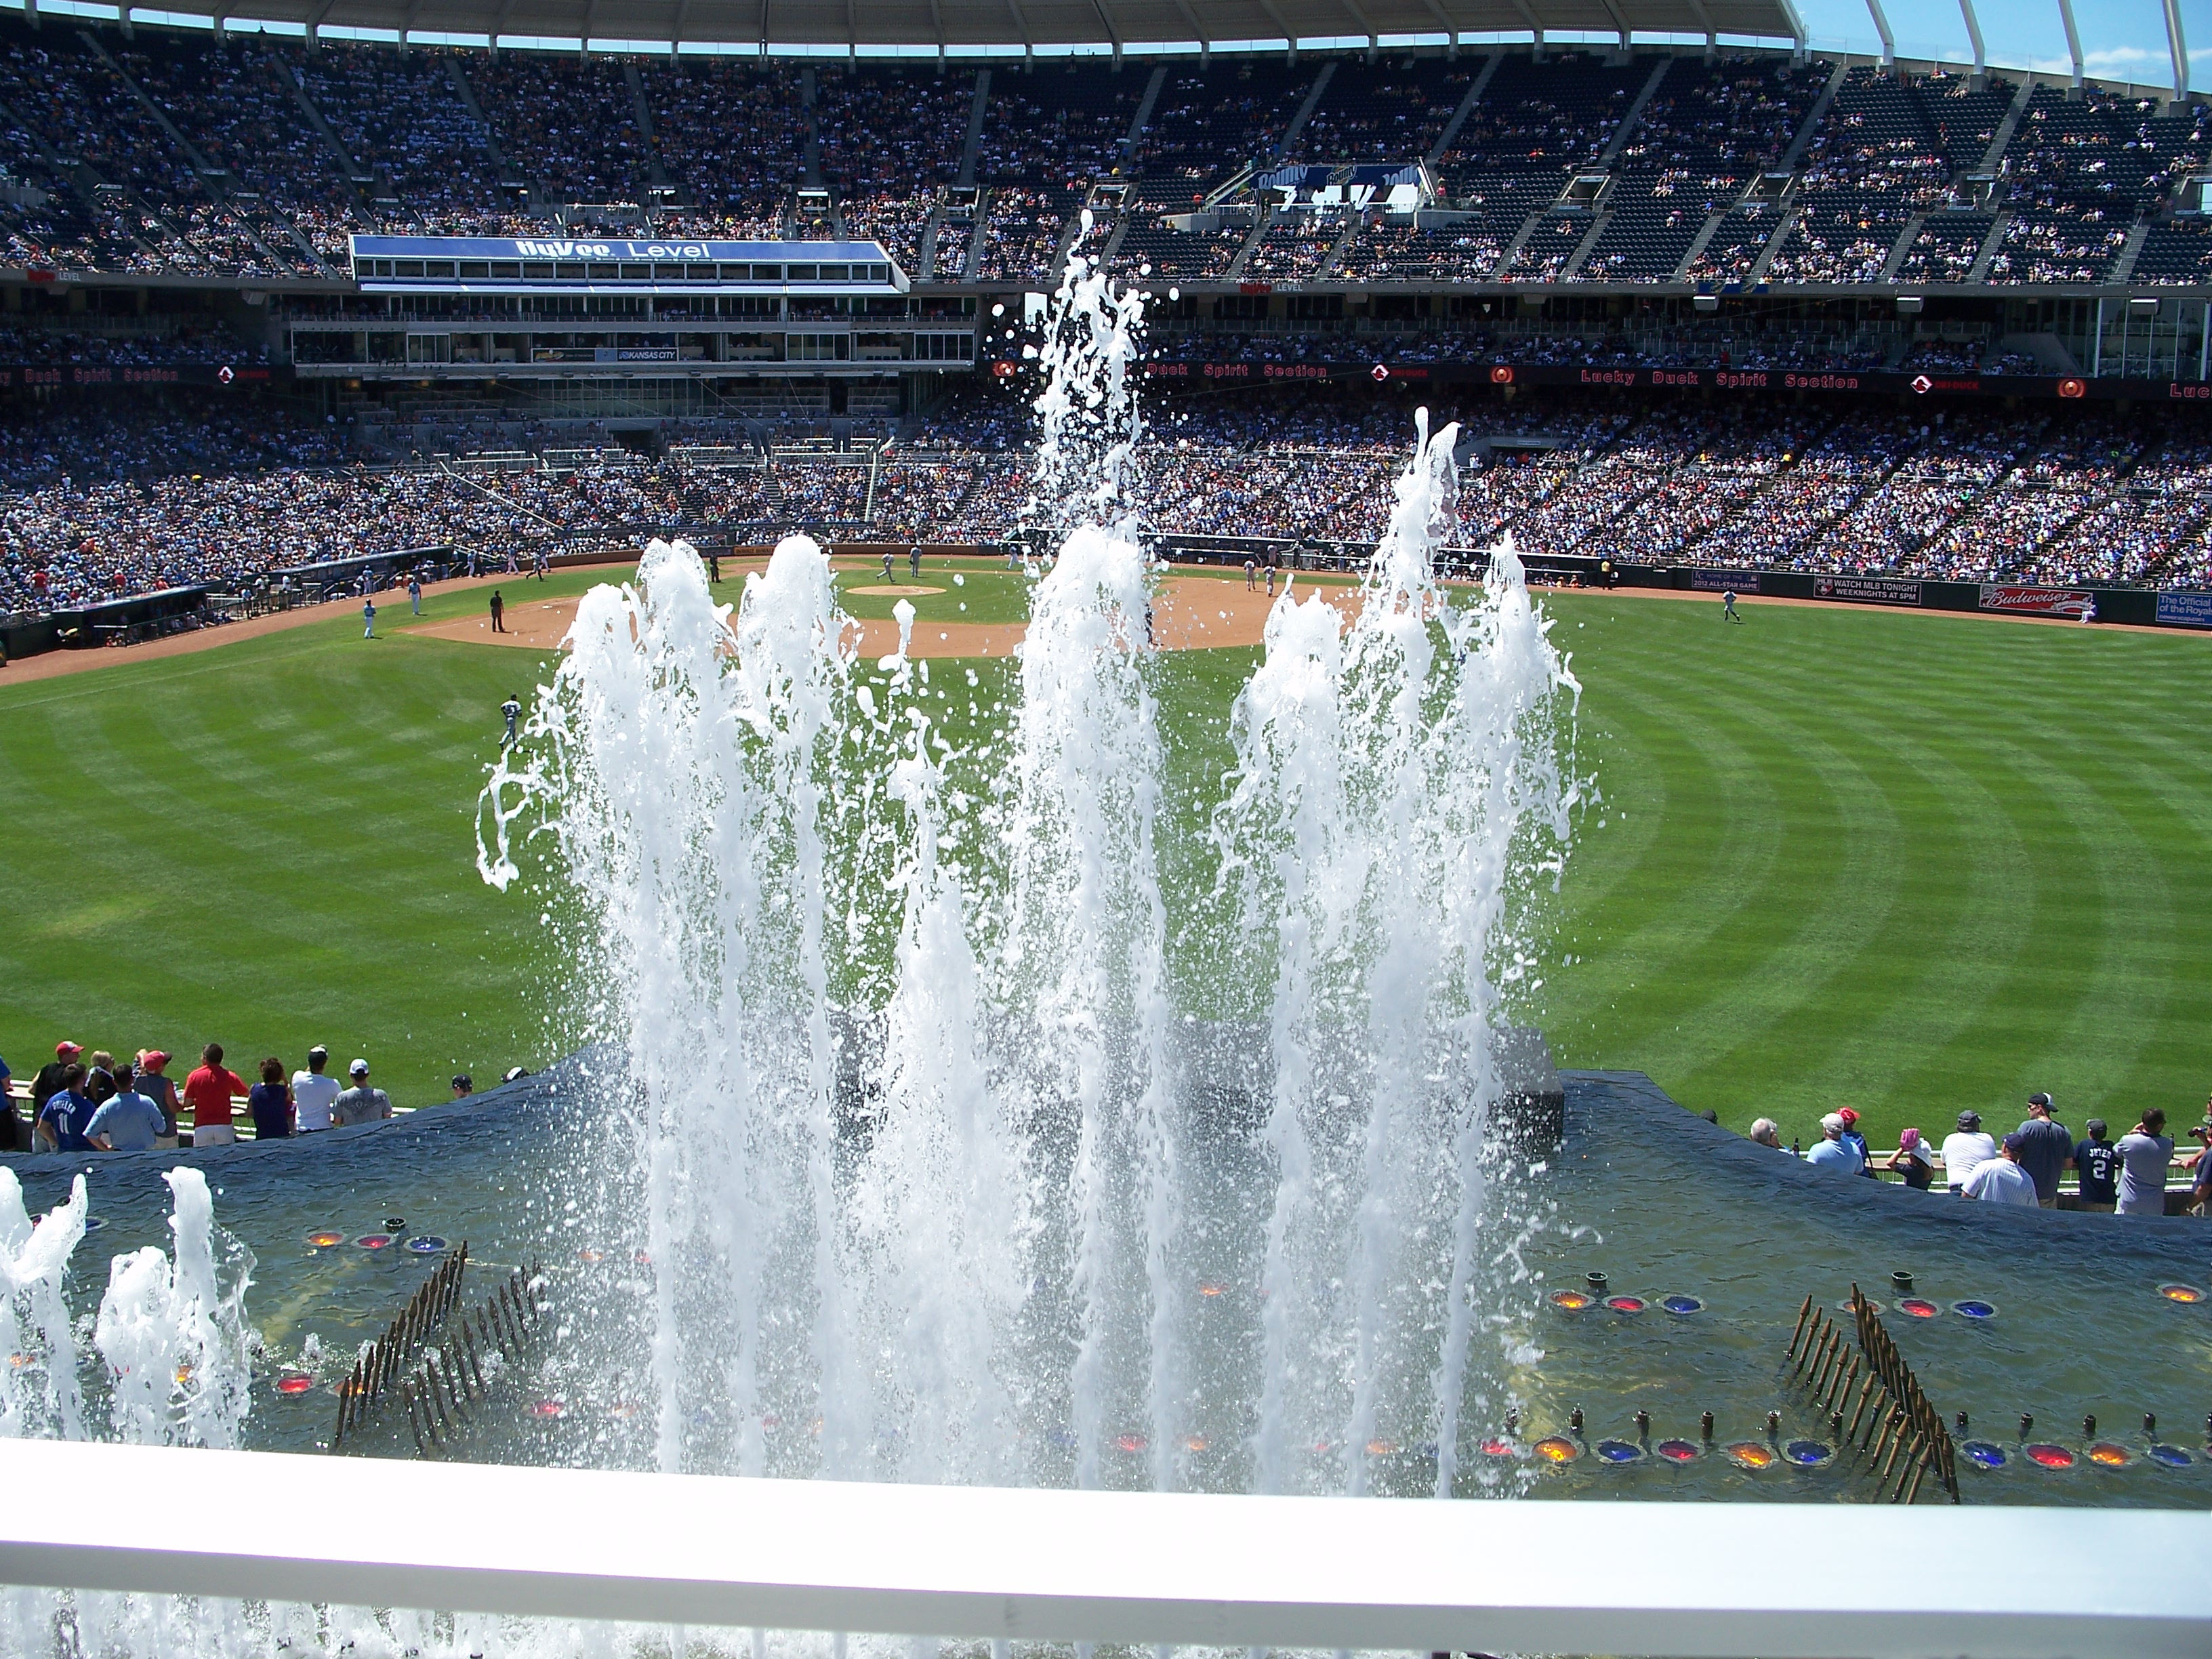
x=1906, y=862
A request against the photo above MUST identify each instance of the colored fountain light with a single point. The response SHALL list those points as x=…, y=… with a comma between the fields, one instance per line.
x=1618, y=1451
x=294, y=1382
x=1196, y=1442
x=1682, y=1304
x=1972, y=1310
x=1809, y=1454
x=2168, y=1456
x=1131, y=1442
x=373, y=1241
x=2045, y=1456
x=1625, y=1304
x=2181, y=1292
x=1679, y=1451
x=323, y=1241
x=1984, y=1454
x=426, y=1244
x=1494, y=1447
x=547, y=1408
x=1570, y=1301
x=1557, y=1448
x=1212, y=1287
x=1751, y=1455
x=1919, y=1308
x=2106, y=1456
x=1380, y=1448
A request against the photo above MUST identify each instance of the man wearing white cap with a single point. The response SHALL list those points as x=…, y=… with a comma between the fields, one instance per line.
x=1833, y=1154
x=315, y=1092
x=360, y=1104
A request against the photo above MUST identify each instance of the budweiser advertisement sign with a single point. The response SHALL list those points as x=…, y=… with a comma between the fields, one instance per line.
x=1868, y=590
x=2038, y=601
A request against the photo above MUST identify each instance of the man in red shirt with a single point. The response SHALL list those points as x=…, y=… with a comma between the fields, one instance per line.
x=208, y=1091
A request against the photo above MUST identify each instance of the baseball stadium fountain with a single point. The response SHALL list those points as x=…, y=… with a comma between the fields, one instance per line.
x=925, y=1160
x=967, y=1098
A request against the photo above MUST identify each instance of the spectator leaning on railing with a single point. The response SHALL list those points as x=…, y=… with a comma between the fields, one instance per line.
x=314, y=1095
x=210, y=1089
x=360, y=1104
x=2145, y=1150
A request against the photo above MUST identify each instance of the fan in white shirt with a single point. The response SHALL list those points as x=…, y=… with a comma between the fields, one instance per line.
x=1964, y=1149
x=1999, y=1180
x=313, y=1095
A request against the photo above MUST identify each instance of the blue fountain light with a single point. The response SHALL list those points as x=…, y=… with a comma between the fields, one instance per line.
x=1984, y=1454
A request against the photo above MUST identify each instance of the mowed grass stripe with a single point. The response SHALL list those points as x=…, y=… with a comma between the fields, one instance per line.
x=1952, y=936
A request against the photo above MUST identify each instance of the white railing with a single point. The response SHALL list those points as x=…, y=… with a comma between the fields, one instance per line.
x=1716, y=1579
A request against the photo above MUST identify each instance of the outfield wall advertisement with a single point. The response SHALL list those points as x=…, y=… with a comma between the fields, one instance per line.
x=2186, y=609
x=1867, y=590
x=2070, y=602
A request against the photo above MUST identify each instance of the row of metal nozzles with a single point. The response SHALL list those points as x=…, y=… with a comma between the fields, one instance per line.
x=442, y=1387
x=1890, y=1416
x=374, y=1374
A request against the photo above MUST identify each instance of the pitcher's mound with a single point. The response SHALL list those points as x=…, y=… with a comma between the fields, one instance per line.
x=894, y=590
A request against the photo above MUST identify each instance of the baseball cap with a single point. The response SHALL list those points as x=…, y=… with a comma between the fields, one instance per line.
x=64, y=1050
x=1833, y=1123
x=153, y=1057
x=1849, y=1116
x=1970, y=1120
x=2043, y=1101
x=461, y=1080
x=319, y=1049
x=2012, y=1143
x=358, y=1068
x=2095, y=1127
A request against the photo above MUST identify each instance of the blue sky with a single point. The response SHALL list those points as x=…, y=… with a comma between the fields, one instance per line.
x=2121, y=39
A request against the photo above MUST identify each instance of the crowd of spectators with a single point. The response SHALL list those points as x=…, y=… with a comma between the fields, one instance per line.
x=99, y=506
x=2026, y=1168
x=167, y=153
x=94, y=1101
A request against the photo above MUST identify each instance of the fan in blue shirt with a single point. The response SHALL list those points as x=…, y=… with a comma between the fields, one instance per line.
x=126, y=1122
x=63, y=1119
x=2099, y=1160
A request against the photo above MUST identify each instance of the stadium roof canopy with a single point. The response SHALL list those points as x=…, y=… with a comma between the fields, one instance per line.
x=1014, y=23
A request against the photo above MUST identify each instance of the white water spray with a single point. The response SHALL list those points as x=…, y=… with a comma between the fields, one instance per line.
x=923, y=1188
